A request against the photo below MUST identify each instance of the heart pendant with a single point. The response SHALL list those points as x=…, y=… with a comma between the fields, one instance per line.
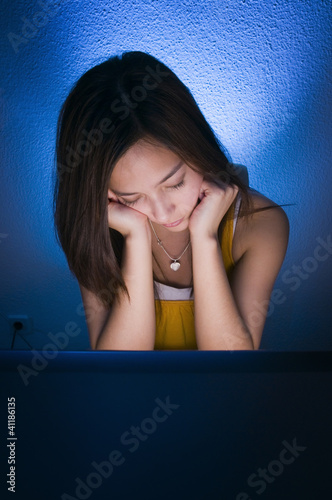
x=175, y=266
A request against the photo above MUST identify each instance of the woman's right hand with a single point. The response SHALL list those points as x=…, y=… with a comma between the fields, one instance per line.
x=126, y=220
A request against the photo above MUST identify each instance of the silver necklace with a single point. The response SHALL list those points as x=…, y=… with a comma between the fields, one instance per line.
x=175, y=264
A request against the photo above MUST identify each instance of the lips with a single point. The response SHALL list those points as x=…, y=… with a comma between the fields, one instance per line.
x=173, y=224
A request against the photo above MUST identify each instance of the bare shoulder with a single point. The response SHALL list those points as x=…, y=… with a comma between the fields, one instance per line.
x=263, y=230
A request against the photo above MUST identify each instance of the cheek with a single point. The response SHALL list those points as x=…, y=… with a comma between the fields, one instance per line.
x=195, y=188
x=190, y=198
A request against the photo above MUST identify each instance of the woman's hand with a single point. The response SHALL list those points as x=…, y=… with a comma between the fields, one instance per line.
x=126, y=220
x=215, y=201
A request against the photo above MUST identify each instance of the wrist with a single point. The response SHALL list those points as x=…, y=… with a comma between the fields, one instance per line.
x=204, y=238
x=141, y=234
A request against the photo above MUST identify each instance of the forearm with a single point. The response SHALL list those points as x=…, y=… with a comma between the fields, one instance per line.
x=218, y=324
x=131, y=323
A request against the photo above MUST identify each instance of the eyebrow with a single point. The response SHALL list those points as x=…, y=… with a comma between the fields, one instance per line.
x=170, y=174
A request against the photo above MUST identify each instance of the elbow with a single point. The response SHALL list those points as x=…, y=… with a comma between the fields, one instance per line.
x=237, y=340
x=96, y=343
x=123, y=346
x=94, y=346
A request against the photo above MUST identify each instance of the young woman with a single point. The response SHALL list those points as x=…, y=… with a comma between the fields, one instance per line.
x=170, y=248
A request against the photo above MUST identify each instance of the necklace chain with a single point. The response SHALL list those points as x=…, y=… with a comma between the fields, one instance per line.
x=175, y=265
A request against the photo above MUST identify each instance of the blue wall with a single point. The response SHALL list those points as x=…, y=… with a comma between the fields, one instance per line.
x=260, y=72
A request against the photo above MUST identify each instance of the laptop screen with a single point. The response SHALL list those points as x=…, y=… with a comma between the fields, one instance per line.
x=166, y=425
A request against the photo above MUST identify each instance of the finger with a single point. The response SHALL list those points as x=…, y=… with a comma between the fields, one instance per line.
x=201, y=194
x=231, y=192
x=235, y=190
x=234, y=194
x=112, y=196
x=205, y=186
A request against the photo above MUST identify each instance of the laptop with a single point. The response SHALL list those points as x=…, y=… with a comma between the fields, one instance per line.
x=167, y=425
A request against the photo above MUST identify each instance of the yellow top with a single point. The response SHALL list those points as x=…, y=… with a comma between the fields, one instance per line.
x=175, y=326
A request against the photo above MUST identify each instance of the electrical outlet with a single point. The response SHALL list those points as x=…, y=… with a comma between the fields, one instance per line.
x=21, y=323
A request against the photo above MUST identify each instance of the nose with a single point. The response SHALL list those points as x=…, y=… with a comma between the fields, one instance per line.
x=162, y=210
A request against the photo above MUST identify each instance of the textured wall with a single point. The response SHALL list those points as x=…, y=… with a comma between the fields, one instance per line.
x=260, y=72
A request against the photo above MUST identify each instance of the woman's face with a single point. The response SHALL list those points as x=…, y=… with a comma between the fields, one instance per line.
x=154, y=181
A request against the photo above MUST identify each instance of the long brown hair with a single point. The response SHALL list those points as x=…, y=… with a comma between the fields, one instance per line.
x=113, y=105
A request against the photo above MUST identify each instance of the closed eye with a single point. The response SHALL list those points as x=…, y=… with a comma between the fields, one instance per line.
x=129, y=203
x=177, y=186
x=132, y=203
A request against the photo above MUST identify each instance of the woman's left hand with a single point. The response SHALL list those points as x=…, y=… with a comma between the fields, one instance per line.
x=215, y=201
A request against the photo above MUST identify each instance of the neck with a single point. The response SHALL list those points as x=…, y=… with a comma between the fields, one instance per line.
x=170, y=237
